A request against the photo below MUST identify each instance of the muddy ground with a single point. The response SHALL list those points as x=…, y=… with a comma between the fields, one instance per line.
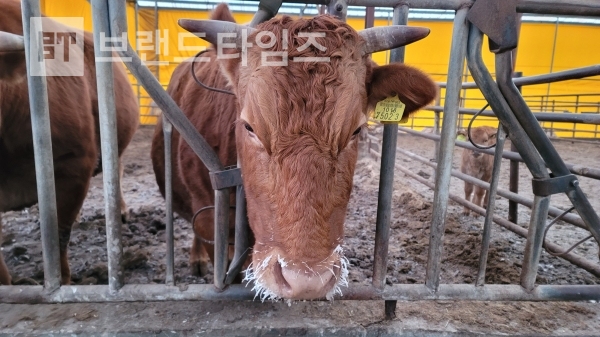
x=144, y=237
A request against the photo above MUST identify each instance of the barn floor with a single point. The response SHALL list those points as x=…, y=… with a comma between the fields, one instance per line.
x=144, y=245
x=341, y=318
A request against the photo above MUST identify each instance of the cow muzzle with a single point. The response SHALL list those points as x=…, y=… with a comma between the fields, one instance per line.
x=276, y=278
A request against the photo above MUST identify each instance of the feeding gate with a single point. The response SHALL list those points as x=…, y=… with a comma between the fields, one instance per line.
x=470, y=23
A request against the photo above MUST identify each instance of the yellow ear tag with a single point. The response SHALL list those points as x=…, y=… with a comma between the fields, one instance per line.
x=462, y=138
x=390, y=109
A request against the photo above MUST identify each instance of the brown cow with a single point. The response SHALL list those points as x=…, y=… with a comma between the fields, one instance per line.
x=295, y=130
x=478, y=164
x=73, y=106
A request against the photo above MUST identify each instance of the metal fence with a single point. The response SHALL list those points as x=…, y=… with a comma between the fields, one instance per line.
x=532, y=144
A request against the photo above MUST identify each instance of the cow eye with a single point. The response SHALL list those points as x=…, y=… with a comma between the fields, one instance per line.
x=357, y=131
x=248, y=127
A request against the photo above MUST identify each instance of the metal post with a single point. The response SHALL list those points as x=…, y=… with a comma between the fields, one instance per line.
x=167, y=128
x=436, y=129
x=221, y=237
x=489, y=213
x=535, y=239
x=386, y=179
x=369, y=17
x=42, y=143
x=386, y=182
x=108, y=136
x=513, y=184
x=242, y=234
x=446, y=150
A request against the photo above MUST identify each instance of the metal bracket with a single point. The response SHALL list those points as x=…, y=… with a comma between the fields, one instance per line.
x=230, y=177
x=498, y=20
x=546, y=187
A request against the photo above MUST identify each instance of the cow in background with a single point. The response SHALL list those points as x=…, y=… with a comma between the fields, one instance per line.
x=478, y=165
x=73, y=107
x=295, y=129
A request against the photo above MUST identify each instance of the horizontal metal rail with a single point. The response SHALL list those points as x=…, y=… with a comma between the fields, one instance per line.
x=238, y=292
x=558, y=76
x=583, y=171
x=586, y=118
x=571, y=218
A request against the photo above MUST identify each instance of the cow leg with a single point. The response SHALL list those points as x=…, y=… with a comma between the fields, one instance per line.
x=124, y=212
x=70, y=193
x=468, y=192
x=4, y=274
x=478, y=197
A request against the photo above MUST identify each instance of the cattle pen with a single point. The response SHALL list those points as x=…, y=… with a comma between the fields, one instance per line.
x=515, y=117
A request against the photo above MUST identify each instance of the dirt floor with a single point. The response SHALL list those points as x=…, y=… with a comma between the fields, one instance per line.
x=144, y=245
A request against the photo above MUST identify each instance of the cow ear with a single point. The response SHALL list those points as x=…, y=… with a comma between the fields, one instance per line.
x=414, y=88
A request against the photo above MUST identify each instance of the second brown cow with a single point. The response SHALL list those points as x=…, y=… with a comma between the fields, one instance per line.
x=478, y=165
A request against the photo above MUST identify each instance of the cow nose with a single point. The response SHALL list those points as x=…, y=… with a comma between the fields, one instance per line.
x=303, y=284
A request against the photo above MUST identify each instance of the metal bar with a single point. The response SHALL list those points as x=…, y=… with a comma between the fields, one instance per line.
x=543, y=144
x=491, y=204
x=198, y=144
x=436, y=130
x=562, y=7
x=583, y=171
x=571, y=218
x=535, y=239
x=42, y=143
x=369, y=17
x=109, y=147
x=221, y=237
x=446, y=149
x=421, y=4
x=386, y=178
x=238, y=292
x=590, y=266
x=167, y=128
x=540, y=116
x=513, y=186
x=558, y=76
x=242, y=234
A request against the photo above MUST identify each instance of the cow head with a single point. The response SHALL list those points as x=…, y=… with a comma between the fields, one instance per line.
x=301, y=107
x=484, y=136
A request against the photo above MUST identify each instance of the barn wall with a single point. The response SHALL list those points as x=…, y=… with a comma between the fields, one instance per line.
x=535, y=55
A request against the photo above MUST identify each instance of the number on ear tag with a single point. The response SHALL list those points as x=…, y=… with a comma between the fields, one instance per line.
x=390, y=109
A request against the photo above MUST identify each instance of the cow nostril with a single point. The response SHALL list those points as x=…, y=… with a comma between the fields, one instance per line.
x=278, y=273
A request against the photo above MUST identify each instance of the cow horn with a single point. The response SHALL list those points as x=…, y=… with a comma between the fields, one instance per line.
x=390, y=37
x=211, y=29
x=11, y=42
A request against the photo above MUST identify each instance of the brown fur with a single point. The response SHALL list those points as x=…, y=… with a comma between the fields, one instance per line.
x=298, y=160
x=478, y=165
x=73, y=107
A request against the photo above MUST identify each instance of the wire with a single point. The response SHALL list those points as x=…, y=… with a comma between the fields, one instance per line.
x=194, y=221
x=572, y=247
x=469, y=130
x=202, y=84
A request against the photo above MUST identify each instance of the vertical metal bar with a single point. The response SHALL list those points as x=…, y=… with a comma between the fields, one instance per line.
x=489, y=213
x=42, y=143
x=242, y=233
x=168, y=138
x=221, y=237
x=108, y=137
x=513, y=184
x=156, y=41
x=386, y=179
x=442, y=179
x=535, y=238
x=137, y=83
x=369, y=17
x=436, y=129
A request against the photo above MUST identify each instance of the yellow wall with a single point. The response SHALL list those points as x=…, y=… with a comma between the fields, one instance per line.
x=575, y=47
